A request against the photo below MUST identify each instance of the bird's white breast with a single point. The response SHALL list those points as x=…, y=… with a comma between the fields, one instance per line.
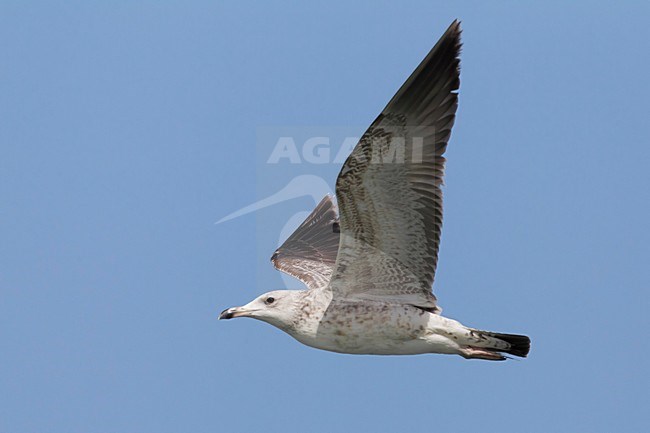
x=368, y=328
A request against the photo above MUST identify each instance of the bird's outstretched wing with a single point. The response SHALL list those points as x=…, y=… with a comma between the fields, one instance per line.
x=310, y=252
x=389, y=189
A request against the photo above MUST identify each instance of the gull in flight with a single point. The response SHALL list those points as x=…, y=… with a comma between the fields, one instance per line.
x=369, y=266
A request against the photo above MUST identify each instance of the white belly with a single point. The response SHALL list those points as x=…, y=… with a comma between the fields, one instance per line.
x=379, y=329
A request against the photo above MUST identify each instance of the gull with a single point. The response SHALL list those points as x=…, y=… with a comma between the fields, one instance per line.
x=369, y=265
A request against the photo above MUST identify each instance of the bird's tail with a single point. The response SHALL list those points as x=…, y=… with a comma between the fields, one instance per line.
x=492, y=345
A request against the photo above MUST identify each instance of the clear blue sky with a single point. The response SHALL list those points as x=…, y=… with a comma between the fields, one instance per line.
x=127, y=130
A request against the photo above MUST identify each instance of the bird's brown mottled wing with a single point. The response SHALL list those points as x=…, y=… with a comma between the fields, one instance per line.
x=310, y=252
x=389, y=189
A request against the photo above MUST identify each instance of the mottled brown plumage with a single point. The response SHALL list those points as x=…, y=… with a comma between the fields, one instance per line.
x=310, y=252
x=370, y=274
x=391, y=209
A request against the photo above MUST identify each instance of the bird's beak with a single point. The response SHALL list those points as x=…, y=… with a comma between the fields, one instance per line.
x=231, y=313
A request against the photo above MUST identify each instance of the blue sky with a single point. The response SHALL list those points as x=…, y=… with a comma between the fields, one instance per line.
x=128, y=129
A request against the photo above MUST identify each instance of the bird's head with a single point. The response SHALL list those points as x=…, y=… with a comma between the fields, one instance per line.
x=278, y=308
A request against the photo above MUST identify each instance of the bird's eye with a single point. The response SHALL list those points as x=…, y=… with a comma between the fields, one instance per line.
x=270, y=300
